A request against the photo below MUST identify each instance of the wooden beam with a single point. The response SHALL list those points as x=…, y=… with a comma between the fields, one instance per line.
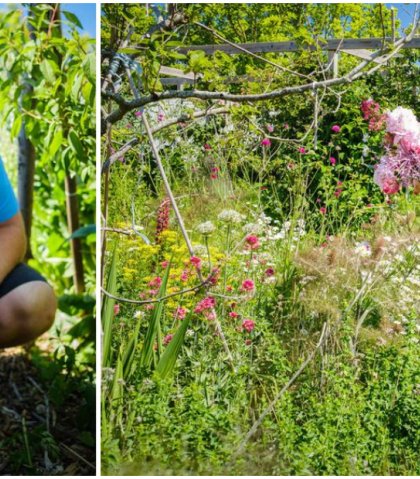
x=290, y=46
x=365, y=55
x=174, y=72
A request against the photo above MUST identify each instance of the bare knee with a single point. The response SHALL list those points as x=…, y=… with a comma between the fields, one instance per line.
x=26, y=313
x=39, y=306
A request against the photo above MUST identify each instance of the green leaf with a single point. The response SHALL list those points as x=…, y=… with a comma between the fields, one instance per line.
x=72, y=18
x=83, y=232
x=47, y=69
x=17, y=124
x=76, y=144
x=129, y=352
x=56, y=142
x=170, y=355
x=108, y=312
x=152, y=330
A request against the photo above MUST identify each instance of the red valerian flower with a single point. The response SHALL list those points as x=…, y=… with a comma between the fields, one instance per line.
x=248, y=325
x=248, y=285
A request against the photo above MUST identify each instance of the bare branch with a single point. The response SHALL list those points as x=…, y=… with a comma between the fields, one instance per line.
x=199, y=286
x=173, y=121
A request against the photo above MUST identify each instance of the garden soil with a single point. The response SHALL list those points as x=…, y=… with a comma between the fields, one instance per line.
x=51, y=434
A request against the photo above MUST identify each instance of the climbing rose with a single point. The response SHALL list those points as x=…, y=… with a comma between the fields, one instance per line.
x=266, y=142
x=371, y=112
x=248, y=325
x=248, y=285
x=335, y=128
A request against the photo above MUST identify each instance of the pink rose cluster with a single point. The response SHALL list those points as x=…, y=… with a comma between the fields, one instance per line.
x=400, y=166
x=372, y=114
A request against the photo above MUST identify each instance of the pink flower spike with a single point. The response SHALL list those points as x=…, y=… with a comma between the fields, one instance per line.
x=248, y=285
x=270, y=128
x=266, y=142
x=248, y=325
x=160, y=117
x=333, y=161
x=116, y=309
x=335, y=128
x=167, y=339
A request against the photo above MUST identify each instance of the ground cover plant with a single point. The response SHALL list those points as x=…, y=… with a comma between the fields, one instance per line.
x=47, y=97
x=261, y=262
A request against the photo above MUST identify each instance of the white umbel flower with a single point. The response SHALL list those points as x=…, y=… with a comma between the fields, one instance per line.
x=230, y=216
x=206, y=228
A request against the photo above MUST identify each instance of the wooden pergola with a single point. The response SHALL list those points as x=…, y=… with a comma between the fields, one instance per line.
x=358, y=47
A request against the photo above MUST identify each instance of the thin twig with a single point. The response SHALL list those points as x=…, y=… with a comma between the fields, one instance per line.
x=163, y=298
x=270, y=407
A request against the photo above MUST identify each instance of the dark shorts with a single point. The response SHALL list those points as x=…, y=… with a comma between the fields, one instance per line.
x=20, y=275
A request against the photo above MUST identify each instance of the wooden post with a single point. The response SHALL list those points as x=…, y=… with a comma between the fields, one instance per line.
x=333, y=63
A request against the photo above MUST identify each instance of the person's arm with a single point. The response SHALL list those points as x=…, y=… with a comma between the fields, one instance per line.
x=12, y=244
